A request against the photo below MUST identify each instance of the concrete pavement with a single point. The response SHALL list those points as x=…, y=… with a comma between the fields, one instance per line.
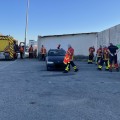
x=29, y=92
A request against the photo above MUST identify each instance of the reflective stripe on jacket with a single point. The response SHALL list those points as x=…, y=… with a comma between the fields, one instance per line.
x=105, y=53
x=66, y=59
x=71, y=53
x=99, y=52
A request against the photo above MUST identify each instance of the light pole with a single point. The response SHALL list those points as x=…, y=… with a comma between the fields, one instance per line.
x=26, y=27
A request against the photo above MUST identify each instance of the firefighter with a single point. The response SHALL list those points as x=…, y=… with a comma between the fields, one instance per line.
x=106, y=57
x=43, y=52
x=91, y=55
x=58, y=47
x=15, y=49
x=70, y=53
x=35, y=53
x=21, y=49
x=113, y=50
x=66, y=61
x=100, y=57
x=99, y=54
x=31, y=52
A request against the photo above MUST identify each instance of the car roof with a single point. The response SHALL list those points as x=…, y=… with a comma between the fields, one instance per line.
x=56, y=49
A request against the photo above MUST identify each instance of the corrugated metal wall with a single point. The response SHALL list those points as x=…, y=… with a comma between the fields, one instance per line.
x=111, y=35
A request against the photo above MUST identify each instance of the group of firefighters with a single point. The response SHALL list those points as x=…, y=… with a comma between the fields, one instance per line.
x=32, y=52
x=105, y=55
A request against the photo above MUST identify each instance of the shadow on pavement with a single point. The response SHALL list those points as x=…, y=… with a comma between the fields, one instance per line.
x=56, y=75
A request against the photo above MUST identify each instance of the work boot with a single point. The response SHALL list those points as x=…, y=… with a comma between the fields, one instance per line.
x=99, y=69
x=65, y=71
x=75, y=70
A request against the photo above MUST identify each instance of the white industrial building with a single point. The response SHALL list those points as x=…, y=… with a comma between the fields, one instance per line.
x=82, y=41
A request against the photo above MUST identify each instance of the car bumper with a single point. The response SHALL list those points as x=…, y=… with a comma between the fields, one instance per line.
x=56, y=66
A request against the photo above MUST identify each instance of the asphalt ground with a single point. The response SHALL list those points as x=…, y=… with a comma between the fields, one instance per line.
x=29, y=92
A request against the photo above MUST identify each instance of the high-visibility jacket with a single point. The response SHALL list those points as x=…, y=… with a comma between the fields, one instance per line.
x=91, y=50
x=43, y=50
x=70, y=53
x=99, y=52
x=21, y=49
x=66, y=58
x=105, y=53
x=30, y=49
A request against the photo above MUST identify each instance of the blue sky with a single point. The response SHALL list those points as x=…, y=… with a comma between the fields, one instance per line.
x=49, y=17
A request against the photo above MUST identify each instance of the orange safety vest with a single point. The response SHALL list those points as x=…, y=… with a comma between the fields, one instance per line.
x=30, y=49
x=99, y=52
x=91, y=50
x=105, y=53
x=21, y=49
x=71, y=53
x=66, y=58
x=43, y=50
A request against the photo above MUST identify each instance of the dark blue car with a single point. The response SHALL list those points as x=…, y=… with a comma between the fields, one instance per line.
x=54, y=59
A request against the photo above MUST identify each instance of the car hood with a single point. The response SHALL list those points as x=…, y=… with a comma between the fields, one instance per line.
x=55, y=58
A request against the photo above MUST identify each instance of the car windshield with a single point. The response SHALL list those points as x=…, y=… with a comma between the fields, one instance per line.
x=56, y=53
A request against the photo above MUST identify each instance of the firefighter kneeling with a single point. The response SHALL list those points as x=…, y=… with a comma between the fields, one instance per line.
x=68, y=59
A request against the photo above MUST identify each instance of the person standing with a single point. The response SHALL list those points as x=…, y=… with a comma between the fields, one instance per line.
x=58, y=47
x=43, y=52
x=70, y=54
x=106, y=57
x=31, y=52
x=35, y=53
x=99, y=57
x=91, y=55
x=113, y=50
x=21, y=49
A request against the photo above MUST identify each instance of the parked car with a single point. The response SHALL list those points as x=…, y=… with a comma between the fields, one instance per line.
x=54, y=59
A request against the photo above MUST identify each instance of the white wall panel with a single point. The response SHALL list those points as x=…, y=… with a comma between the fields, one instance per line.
x=111, y=35
x=80, y=42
